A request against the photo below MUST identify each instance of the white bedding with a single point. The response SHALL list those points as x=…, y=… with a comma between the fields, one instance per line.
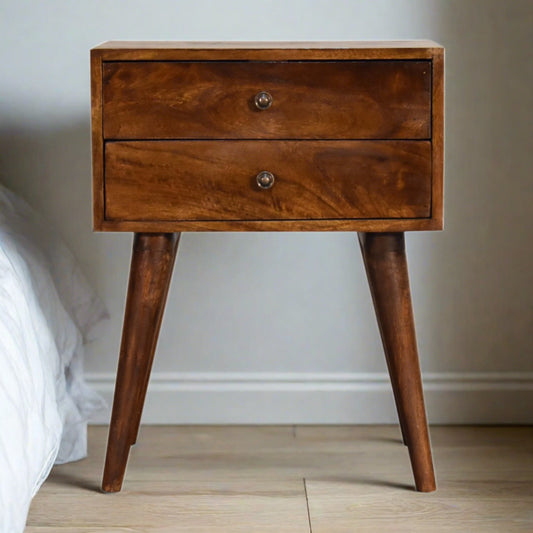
x=47, y=312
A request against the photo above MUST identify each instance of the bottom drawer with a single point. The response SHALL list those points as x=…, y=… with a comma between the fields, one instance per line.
x=216, y=180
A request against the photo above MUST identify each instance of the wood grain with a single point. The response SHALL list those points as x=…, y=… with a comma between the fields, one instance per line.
x=386, y=268
x=400, y=224
x=437, y=140
x=61, y=529
x=97, y=142
x=351, y=509
x=403, y=44
x=354, y=138
x=419, y=52
x=150, y=274
x=272, y=505
x=235, y=478
x=212, y=180
x=265, y=51
x=311, y=100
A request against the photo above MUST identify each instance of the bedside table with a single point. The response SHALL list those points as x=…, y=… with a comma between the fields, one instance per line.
x=321, y=136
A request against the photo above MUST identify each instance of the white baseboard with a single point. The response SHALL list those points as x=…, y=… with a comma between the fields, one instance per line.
x=324, y=398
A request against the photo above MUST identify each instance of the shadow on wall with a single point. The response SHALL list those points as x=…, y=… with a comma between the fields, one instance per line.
x=475, y=282
x=472, y=284
x=50, y=167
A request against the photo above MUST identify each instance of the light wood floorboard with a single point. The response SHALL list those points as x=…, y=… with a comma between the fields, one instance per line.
x=327, y=479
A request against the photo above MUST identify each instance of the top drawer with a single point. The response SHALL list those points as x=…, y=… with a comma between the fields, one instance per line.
x=309, y=99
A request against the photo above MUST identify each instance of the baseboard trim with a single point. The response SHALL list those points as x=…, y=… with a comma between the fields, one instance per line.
x=334, y=398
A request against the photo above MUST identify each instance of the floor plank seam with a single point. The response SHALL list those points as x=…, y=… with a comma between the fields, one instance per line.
x=307, y=504
x=229, y=480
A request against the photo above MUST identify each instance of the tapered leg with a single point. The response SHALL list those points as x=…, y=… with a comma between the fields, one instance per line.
x=150, y=274
x=146, y=363
x=390, y=362
x=386, y=268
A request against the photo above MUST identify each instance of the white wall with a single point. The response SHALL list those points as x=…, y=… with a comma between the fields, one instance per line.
x=279, y=327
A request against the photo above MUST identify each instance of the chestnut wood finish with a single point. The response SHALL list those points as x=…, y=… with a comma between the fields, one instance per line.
x=213, y=180
x=354, y=139
x=409, y=72
x=323, y=224
x=265, y=50
x=386, y=267
x=311, y=100
x=150, y=274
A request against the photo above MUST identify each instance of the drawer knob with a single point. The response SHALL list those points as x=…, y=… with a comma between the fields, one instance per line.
x=263, y=100
x=265, y=179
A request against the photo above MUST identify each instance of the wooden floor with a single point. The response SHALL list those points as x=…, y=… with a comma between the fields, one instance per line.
x=295, y=479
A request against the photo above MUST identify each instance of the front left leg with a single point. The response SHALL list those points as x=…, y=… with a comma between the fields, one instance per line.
x=150, y=274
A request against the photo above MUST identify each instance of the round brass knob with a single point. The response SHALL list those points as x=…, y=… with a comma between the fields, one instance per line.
x=263, y=100
x=265, y=179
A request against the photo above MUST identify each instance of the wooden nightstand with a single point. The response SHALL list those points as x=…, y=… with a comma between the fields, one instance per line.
x=267, y=137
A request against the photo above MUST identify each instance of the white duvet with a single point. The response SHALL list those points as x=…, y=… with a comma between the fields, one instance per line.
x=47, y=312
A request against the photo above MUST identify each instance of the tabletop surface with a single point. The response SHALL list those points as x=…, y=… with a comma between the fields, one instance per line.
x=297, y=45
